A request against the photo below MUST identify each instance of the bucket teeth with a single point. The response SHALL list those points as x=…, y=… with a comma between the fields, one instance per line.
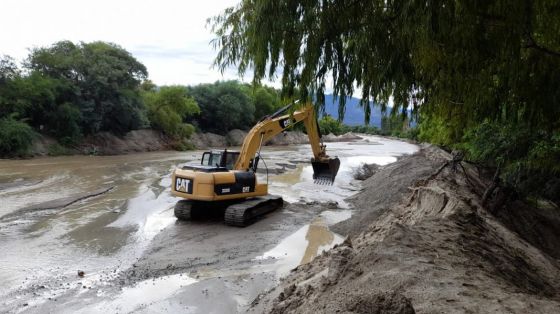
x=323, y=181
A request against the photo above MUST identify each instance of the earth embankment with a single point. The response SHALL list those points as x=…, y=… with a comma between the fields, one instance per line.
x=147, y=140
x=421, y=240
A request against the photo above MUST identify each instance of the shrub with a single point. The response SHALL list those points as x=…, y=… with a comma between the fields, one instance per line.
x=328, y=125
x=364, y=171
x=57, y=150
x=16, y=137
x=167, y=109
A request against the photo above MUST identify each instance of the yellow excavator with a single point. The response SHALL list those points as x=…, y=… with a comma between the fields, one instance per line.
x=227, y=181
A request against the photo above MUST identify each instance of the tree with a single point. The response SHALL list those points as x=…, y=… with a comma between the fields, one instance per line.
x=224, y=106
x=265, y=99
x=8, y=69
x=102, y=80
x=168, y=107
x=456, y=63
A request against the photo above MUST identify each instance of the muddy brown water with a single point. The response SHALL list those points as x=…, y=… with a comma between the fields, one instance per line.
x=136, y=256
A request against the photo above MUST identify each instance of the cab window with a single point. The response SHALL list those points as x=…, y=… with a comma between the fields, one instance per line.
x=231, y=158
x=205, y=159
x=215, y=159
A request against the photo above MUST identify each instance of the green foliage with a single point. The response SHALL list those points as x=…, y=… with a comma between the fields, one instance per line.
x=328, y=125
x=72, y=89
x=16, y=137
x=462, y=57
x=223, y=106
x=477, y=74
x=100, y=79
x=266, y=100
x=364, y=129
x=57, y=150
x=8, y=69
x=395, y=125
x=545, y=154
x=528, y=159
x=436, y=130
x=168, y=107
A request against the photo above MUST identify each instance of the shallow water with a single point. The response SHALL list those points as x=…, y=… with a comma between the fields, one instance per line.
x=108, y=233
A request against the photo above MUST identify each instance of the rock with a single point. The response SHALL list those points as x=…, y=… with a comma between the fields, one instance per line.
x=332, y=204
x=81, y=273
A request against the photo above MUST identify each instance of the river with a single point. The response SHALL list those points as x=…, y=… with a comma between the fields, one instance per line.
x=136, y=256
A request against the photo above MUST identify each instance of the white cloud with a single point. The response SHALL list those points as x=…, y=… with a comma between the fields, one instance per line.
x=169, y=36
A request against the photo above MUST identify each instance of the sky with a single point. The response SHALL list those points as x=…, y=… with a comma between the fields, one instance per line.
x=169, y=37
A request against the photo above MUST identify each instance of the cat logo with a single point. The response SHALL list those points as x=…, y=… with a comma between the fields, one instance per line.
x=183, y=185
x=246, y=189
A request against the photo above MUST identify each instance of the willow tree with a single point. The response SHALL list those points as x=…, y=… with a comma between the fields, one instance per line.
x=458, y=63
x=473, y=58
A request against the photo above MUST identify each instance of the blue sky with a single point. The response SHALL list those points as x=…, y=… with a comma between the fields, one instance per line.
x=169, y=36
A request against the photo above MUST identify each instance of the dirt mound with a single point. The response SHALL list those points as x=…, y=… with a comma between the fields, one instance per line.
x=236, y=137
x=346, y=302
x=386, y=188
x=41, y=145
x=347, y=137
x=106, y=143
x=422, y=239
x=206, y=140
x=289, y=138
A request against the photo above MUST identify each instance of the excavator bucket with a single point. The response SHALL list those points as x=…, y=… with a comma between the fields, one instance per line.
x=324, y=172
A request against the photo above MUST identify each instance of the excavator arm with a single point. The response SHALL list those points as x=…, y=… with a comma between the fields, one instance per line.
x=324, y=167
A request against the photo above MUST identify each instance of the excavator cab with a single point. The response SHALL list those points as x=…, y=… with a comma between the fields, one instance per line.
x=222, y=159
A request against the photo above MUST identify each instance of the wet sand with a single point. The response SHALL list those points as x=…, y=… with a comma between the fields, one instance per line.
x=136, y=256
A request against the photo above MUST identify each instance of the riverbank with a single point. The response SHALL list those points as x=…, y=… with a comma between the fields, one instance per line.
x=148, y=140
x=421, y=240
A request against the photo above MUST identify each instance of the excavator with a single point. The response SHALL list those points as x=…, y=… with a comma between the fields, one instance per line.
x=227, y=181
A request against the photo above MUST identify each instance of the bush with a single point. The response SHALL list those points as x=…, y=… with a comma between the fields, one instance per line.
x=57, y=150
x=364, y=171
x=328, y=125
x=167, y=109
x=16, y=137
x=528, y=159
x=364, y=129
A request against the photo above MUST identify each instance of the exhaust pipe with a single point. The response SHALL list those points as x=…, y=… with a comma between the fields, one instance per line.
x=324, y=172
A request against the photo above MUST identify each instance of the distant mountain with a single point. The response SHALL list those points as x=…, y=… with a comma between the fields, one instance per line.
x=354, y=114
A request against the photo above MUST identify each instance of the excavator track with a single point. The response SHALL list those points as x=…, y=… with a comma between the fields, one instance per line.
x=183, y=209
x=245, y=213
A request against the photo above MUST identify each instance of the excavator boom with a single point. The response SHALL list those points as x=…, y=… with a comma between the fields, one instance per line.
x=325, y=168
